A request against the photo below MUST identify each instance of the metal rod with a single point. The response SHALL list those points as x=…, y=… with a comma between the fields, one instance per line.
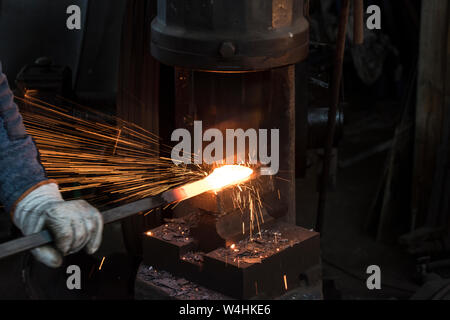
x=335, y=90
x=44, y=237
x=358, y=22
x=170, y=196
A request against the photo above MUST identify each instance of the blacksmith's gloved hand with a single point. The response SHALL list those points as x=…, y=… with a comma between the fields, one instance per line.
x=73, y=224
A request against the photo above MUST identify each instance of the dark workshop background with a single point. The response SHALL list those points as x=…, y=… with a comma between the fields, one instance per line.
x=389, y=203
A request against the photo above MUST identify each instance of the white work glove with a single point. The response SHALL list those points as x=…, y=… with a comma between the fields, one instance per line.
x=73, y=224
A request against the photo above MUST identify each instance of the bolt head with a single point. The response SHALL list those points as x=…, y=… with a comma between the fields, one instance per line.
x=227, y=49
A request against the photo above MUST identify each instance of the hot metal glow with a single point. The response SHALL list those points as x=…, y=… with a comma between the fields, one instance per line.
x=219, y=179
x=228, y=175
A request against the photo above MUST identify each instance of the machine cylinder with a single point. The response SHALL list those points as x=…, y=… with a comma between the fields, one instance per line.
x=230, y=36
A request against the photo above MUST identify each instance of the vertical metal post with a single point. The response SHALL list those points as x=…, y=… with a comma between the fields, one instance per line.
x=335, y=91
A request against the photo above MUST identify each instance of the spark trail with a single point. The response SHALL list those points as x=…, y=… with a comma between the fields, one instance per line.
x=104, y=158
x=107, y=160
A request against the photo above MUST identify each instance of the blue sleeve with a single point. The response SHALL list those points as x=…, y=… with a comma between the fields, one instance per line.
x=20, y=168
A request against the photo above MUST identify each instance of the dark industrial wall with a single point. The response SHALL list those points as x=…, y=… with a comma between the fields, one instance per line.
x=99, y=61
x=34, y=28
x=29, y=29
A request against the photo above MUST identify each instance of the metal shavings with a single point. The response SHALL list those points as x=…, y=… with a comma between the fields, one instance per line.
x=254, y=250
x=194, y=257
x=179, y=288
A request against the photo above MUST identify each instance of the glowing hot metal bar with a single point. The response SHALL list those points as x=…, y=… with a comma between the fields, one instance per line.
x=220, y=178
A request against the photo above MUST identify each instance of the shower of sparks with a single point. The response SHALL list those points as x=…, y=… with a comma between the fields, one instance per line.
x=247, y=198
x=285, y=282
x=101, y=264
x=100, y=157
x=106, y=160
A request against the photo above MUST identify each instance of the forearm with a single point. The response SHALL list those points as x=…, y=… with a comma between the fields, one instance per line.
x=32, y=200
x=20, y=169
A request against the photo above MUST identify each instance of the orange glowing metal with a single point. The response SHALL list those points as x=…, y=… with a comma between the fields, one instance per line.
x=220, y=178
x=228, y=175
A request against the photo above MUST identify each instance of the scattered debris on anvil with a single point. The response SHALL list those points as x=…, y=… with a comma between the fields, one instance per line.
x=194, y=257
x=177, y=229
x=254, y=249
x=178, y=288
